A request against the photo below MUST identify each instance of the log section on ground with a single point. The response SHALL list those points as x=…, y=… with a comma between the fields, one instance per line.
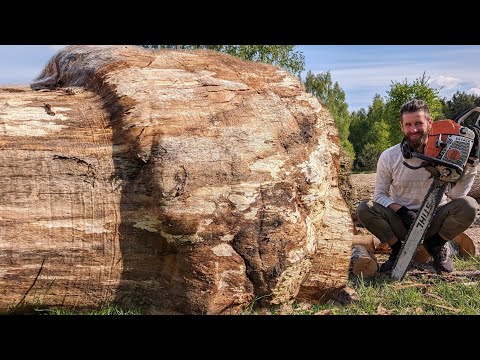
x=174, y=181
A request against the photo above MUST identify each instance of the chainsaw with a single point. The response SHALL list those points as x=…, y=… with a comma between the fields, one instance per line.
x=445, y=156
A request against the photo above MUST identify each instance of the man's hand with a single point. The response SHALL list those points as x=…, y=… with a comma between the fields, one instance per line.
x=475, y=152
x=407, y=216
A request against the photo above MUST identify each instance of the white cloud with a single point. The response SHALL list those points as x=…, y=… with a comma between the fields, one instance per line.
x=363, y=71
x=475, y=91
x=361, y=82
x=448, y=82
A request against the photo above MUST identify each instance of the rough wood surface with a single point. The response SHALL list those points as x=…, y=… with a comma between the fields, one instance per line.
x=363, y=262
x=59, y=204
x=180, y=182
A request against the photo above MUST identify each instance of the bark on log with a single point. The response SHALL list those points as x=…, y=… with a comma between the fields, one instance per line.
x=180, y=182
x=363, y=262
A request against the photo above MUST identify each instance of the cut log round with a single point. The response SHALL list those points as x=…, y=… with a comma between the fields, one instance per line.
x=363, y=262
x=178, y=182
x=466, y=247
x=421, y=256
x=370, y=242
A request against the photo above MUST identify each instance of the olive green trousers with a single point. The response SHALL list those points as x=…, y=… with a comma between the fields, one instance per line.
x=449, y=220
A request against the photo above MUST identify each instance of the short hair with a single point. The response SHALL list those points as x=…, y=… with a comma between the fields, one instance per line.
x=414, y=106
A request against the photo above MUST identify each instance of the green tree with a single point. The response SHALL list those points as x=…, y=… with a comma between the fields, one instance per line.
x=369, y=134
x=359, y=130
x=368, y=158
x=460, y=102
x=400, y=93
x=285, y=56
x=380, y=129
x=333, y=97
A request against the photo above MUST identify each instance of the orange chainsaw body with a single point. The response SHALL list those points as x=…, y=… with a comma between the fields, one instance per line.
x=449, y=142
x=439, y=134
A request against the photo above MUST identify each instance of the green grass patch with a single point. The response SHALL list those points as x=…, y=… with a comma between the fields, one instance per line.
x=421, y=293
x=108, y=310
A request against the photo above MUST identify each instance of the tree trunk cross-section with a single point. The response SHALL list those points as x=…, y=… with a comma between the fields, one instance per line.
x=363, y=261
x=179, y=182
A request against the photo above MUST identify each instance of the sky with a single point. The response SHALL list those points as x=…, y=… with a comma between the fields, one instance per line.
x=361, y=70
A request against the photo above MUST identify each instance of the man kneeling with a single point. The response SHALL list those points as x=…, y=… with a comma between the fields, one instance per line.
x=399, y=193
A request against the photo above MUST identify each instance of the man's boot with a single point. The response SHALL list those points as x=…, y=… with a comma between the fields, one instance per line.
x=388, y=265
x=441, y=253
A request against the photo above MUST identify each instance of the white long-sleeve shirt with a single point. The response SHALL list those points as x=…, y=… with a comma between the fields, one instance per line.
x=396, y=183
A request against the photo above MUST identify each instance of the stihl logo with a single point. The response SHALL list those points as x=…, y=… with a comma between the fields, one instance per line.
x=425, y=215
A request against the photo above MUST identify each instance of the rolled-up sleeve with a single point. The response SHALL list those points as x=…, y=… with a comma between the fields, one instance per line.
x=464, y=184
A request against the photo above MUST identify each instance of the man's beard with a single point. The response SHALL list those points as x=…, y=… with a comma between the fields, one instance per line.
x=418, y=144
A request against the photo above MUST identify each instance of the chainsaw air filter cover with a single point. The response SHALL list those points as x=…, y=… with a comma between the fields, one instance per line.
x=449, y=142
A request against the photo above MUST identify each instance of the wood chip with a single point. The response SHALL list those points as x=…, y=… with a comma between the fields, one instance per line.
x=324, y=312
x=383, y=311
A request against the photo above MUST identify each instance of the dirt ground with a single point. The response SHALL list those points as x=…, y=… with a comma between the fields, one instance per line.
x=362, y=186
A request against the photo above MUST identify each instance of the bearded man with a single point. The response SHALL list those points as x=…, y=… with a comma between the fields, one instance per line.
x=399, y=193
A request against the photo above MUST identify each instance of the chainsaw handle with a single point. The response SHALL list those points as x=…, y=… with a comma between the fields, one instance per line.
x=459, y=119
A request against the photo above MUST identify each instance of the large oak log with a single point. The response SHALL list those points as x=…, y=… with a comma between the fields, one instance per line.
x=179, y=182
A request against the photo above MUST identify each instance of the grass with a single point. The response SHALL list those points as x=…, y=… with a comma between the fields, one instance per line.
x=107, y=310
x=418, y=294
x=110, y=310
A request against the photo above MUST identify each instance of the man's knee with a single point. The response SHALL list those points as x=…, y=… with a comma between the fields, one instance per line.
x=468, y=207
x=471, y=207
x=364, y=208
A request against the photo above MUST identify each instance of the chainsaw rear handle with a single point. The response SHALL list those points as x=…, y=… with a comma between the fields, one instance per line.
x=459, y=119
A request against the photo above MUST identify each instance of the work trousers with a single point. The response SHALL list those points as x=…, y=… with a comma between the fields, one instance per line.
x=449, y=220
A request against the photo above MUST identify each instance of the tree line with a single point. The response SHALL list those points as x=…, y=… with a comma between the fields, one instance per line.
x=372, y=130
x=364, y=133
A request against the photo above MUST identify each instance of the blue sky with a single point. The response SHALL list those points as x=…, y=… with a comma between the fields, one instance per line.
x=361, y=70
